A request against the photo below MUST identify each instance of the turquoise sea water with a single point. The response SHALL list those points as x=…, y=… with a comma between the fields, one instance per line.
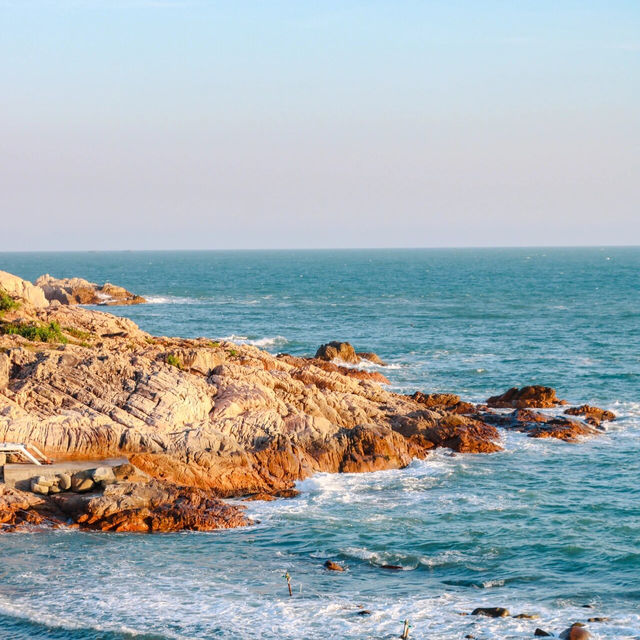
x=544, y=527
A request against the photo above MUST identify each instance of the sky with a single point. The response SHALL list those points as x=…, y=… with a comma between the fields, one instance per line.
x=142, y=124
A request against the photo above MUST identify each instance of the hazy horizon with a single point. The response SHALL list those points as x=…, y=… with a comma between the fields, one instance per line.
x=146, y=125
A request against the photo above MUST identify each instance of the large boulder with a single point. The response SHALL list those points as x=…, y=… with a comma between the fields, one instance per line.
x=81, y=291
x=530, y=396
x=338, y=351
x=18, y=288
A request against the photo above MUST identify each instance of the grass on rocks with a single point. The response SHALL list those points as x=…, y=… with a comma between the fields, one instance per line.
x=36, y=333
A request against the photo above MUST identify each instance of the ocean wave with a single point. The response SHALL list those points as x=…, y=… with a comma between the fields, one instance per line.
x=170, y=300
x=265, y=343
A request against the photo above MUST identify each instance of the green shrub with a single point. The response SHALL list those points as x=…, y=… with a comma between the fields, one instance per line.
x=232, y=352
x=7, y=303
x=174, y=361
x=36, y=333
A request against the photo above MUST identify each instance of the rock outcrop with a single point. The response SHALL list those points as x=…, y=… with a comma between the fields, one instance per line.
x=80, y=291
x=22, y=289
x=216, y=417
x=528, y=397
x=337, y=351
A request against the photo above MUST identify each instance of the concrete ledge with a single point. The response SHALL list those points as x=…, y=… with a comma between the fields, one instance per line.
x=20, y=475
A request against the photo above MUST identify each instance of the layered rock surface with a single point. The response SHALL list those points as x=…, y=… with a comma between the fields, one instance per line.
x=80, y=291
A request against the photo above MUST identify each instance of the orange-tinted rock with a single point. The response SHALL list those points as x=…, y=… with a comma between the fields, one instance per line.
x=526, y=397
x=371, y=357
x=80, y=291
x=436, y=400
x=575, y=632
x=562, y=429
x=333, y=566
x=337, y=351
x=593, y=415
x=151, y=507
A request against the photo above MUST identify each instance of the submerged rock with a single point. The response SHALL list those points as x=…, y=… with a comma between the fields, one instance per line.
x=333, y=566
x=575, y=632
x=491, y=612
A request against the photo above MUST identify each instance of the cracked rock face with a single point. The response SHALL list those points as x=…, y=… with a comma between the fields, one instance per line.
x=213, y=415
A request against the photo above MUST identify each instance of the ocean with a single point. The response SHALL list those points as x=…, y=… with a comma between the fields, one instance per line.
x=544, y=527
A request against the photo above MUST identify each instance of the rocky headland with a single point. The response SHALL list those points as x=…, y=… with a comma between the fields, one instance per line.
x=202, y=420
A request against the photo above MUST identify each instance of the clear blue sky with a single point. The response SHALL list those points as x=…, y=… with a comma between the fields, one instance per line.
x=160, y=124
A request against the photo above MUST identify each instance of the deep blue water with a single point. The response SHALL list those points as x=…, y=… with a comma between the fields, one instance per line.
x=543, y=527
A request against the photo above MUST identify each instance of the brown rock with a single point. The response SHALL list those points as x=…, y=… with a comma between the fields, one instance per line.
x=371, y=357
x=151, y=507
x=436, y=400
x=80, y=291
x=337, y=351
x=562, y=429
x=575, y=632
x=491, y=612
x=333, y=566
x=531, y=396
x=593, y=415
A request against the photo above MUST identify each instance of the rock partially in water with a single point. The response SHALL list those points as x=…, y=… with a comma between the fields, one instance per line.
x=575, y=632
x=541, y=633
x=436, y=400
x=337, y=351
x=526, y=397
x=330, y=565
x=592, y=415
x=371, y=357
x=491, y=612
x=80, y=291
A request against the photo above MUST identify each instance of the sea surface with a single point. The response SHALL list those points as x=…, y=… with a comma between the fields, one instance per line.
x=544, y=527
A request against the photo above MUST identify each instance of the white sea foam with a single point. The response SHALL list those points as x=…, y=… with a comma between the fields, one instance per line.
x=170, y=300
x=265, y=343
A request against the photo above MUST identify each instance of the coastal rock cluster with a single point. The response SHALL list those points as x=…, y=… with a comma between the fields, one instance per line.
x=222, y=418
x=80, y=291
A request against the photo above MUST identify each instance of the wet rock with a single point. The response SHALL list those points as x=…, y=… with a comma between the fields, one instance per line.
x=391, y=567
x=541, y=633
x=337, y=351
x=575, y=632
x=333, y=566
x=527, y=616
x=363, y=612
x=593, y=415
x=151, y=507
x=526, y=397
x=491, y=612
x=597, y=619
x=562, y=429
x=371, y=357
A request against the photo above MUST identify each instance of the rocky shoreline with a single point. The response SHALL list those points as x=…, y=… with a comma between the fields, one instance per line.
x=202, y=420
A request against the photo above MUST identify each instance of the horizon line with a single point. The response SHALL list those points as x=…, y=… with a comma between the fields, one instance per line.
x=274, y=249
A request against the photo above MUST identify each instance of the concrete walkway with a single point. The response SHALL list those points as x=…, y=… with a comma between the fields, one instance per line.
x=20, y=475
